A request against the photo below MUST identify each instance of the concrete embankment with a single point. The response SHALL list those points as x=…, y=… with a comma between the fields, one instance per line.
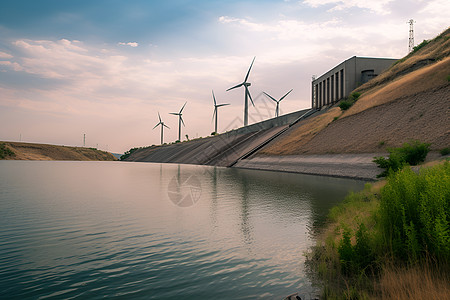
x=222, y=150
x=239, y=148
x=358, y=166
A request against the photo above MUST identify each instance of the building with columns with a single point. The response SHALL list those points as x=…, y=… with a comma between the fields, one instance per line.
x=340, y=81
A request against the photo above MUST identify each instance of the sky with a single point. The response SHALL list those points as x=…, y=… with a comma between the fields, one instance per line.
x=106, y=68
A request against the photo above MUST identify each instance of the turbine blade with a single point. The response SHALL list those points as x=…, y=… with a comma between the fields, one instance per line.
x=248, y=73
x=182, y=107
x=156, y=125
x=176, y=114
x=285, y=95
x=236, y=86
x=214, y=97
x=248, y=93
x=222, y=104
x=159, y=117
x=182, y=121
x=166, y=126
x=270, y=96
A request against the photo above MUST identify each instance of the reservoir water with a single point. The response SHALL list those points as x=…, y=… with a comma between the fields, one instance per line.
x=90, y=230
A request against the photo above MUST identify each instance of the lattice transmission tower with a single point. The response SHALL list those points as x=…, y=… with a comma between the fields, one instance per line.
x=411, y=35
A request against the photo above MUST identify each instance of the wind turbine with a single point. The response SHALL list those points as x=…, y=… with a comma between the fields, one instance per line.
x=247, y=93
x=162, y=128
x=215, y=110
x=277, y=101
x=180, y=120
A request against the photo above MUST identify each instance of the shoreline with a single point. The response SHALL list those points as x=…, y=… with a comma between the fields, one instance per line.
x=353, y=166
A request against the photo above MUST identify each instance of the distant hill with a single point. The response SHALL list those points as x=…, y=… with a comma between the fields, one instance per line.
x=31, y=151
x=411, y=100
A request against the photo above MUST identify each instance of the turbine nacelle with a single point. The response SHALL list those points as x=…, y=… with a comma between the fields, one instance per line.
x=277, y=101
x=246, y=84
x=162, y=127
x=180, y=120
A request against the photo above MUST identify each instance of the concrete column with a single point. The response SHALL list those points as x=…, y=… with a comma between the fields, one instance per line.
x=332, y=88
x=336, y=86
x=317, y=95
x=328, y=90
x=319, y=102
x=324, y=92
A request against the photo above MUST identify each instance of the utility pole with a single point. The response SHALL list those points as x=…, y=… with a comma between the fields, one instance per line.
x=411, y=35
x=84, y=140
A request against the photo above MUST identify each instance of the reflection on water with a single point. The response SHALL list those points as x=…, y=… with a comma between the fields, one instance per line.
x=97, y=229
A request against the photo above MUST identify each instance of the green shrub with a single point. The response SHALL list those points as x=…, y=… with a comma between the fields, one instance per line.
x=355, y=95
x=415, y=214
x=420, y=46
x=345, y=104
x=346, y=253
x=128, y=153
x=5, y=152
x=411, y=153
x=445, y=151
x=348, y=102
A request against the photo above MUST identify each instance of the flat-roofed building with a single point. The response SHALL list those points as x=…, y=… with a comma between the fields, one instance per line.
x=338, y=82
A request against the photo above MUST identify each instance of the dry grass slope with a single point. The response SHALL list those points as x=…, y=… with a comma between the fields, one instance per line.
x=414, y=283
x=408, y=101
x=30, y=151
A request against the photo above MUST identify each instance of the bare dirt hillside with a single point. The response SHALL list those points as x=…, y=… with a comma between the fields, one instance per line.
x=29, y=151
x=411, y=100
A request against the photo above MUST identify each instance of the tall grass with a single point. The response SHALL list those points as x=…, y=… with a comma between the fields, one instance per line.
x=400, y=231
x=418, y=282
x=415, y=214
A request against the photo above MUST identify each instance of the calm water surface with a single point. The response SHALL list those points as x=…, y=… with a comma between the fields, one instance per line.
x=88, y=230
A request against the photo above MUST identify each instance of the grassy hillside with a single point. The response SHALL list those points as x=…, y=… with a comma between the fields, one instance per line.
x=408, y=101
x=29, y=151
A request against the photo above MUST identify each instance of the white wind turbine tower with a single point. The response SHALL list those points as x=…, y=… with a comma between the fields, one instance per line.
x=215, y=114
x=247, y=93
x=277, y=110
x=180, y=120
x=162, y=128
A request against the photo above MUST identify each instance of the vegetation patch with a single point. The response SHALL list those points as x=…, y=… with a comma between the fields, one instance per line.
x=399, y=233
x=411, y=153
x=445, y=151
x=128, y=153
x=420, y=46
x=5, y=152
x=347, y=103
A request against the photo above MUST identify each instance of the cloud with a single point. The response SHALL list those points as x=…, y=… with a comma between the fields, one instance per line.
x=13, y=65
x=131, y=44
x=4, y=55
x=379, y=6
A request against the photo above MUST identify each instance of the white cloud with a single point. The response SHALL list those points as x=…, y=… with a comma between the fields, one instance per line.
x=13, y=65
x=378, y=6
x=131, y=44
x=4, y=55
